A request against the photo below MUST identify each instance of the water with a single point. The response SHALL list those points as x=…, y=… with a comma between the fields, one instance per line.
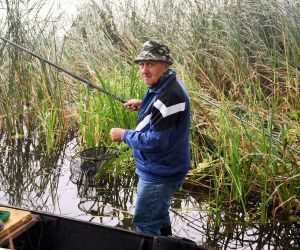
x=32, y=179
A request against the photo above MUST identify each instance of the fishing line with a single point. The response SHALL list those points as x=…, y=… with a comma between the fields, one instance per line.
x=64, y=70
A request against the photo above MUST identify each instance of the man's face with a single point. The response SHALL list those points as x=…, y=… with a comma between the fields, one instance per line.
x=151, y=71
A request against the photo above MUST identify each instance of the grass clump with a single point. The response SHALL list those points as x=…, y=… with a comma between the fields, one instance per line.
x=238, y=59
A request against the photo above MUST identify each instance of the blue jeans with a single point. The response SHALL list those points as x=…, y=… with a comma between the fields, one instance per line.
x=152, y=206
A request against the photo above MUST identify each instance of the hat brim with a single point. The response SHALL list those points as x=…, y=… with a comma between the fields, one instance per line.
x=140, y=59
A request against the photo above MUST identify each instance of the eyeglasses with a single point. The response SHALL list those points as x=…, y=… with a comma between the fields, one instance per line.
x=149, y=65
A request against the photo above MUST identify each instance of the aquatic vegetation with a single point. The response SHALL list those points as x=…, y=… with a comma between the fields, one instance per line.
x=238, y=59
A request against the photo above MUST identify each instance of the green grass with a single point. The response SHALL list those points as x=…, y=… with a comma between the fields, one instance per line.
x=239, y=61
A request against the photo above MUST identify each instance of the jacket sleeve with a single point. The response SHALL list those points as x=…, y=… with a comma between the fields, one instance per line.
x=150, y=141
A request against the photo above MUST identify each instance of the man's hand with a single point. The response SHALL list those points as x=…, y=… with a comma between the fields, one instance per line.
x=116, y=134
x=133, y=104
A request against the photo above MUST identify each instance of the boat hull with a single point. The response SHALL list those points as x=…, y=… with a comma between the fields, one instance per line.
x=53, y=232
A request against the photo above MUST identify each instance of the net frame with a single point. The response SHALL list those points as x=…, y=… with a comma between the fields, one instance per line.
x=100, y=153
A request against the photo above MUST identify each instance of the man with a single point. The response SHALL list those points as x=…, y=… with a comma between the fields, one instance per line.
x=160, y=141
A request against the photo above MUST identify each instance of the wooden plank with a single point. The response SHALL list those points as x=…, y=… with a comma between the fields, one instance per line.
x=18, y=231
x=16, y=219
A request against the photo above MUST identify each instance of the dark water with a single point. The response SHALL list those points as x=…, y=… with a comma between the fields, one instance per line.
x=32, y=179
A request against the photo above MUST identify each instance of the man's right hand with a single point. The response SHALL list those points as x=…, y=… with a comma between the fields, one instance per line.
x=133, y=104
x=116, y=134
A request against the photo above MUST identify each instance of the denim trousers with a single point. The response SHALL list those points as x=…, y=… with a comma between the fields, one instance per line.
x=152, y=206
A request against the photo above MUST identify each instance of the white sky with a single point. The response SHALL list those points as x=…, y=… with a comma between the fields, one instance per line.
x=62, y=12
x=68, y=7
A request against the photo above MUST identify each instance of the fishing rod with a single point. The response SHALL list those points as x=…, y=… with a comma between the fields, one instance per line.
x=64, y=70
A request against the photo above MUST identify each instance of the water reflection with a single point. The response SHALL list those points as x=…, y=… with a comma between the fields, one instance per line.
x=270, y=236
x=109, y=198
x=104, y=193
x=31, y=178
x=27, y=172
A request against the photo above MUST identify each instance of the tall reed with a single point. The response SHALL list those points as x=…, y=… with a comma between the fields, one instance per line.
x=239, y=60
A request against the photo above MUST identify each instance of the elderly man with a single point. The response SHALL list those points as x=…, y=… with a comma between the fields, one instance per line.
x=160, y=141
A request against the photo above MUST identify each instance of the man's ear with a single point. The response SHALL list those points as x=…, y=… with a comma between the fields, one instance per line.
x=166, y=67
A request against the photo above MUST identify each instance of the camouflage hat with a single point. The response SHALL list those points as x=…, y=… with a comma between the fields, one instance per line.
x=156, y=51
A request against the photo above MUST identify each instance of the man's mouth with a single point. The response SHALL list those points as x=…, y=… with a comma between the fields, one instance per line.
x=146, y=76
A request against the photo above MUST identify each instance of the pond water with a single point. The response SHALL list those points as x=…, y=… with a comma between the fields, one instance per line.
x=32, y=179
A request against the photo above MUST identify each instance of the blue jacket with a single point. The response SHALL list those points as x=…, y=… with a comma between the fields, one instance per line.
x=160, y=141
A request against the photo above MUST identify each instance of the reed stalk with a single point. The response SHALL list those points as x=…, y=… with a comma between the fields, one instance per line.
x=238, y=59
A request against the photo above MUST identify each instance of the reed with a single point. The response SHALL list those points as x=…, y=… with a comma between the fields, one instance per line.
x=48, y=121
x=238, y=59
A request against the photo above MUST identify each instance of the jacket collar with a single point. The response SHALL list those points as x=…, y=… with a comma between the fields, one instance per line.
x=169, y=74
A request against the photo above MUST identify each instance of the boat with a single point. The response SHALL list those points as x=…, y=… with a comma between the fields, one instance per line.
x=46, y=231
